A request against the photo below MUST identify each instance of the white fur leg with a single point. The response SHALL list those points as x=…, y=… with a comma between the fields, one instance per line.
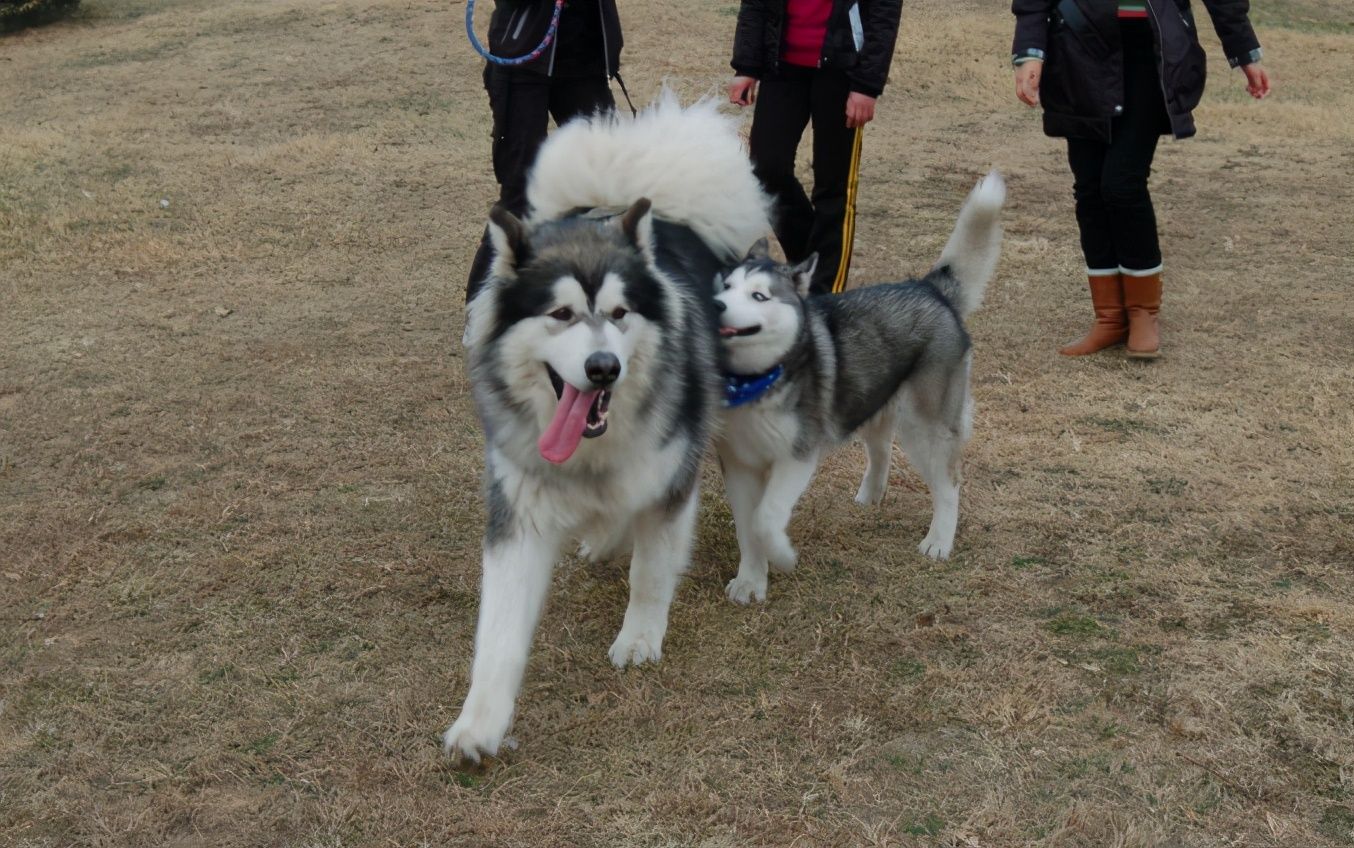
x=662, y=552
x=743, y=486
x=877, y=434
x=787, y=481
x=516, y=577
x=934, y=450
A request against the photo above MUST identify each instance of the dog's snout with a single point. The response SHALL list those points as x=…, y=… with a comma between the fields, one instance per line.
x=602, y=368
x=720, y=306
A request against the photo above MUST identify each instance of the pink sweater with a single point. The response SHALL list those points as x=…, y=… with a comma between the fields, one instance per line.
x=805, y=30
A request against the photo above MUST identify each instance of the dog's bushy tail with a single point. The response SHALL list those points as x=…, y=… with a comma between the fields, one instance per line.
x=689, y=162
x=970, y=257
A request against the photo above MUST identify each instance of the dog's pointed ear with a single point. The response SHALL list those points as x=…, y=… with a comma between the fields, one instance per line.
x=803, y=274
x=760, y=249
x=637, y=225
x=508, y=236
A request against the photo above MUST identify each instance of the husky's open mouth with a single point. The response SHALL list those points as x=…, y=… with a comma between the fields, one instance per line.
x=579, y=415
x=733, y=332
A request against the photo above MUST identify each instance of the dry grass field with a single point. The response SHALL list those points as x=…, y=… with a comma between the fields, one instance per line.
x=239, y=509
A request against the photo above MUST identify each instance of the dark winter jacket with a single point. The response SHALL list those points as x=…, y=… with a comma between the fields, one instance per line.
x=1082, y=86
x=758, y=41
x=588, y=41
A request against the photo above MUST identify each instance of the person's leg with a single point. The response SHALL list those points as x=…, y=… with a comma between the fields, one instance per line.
x=572, y=97
x=1123, y=186
x=836, y=158
x=520, y=107
x=778, y=122
x=1087, y=160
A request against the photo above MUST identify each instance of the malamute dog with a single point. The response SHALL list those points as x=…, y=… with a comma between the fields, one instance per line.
x=808, y=372
x=593, y=361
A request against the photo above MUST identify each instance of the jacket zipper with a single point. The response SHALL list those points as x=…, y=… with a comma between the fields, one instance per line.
x=554, y=48
x=1161, y=63
x=606, y=50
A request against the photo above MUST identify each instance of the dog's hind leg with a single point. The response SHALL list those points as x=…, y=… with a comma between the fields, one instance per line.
x=932, y=435
x=512, y=595
x=877, y=435
x=744, y=487
x=784, y=486
x=663, y=537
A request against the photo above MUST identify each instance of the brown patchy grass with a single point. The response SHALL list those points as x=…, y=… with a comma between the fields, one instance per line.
x=240, y=550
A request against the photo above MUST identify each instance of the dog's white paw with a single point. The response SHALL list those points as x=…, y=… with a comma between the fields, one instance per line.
x=469, y=739
x=936, y=548
x=635, y=648
x=869, y=495
x=745, y=590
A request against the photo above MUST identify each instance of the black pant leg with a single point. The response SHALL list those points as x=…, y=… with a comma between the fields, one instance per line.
x=834, y=160
x=778, y=122
x=1128, y=159
x=1087, y=159
x=571, y=97
x=519, y=103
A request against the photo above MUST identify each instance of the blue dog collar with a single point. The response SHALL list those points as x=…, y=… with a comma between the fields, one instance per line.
x=740, y=389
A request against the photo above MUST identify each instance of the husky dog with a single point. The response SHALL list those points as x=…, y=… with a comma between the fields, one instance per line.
x=593, y=362
x=806, y=373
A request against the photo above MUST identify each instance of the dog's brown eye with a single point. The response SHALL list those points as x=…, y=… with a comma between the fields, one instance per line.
x=759, y=297
x=618, y=313
x=564, y=313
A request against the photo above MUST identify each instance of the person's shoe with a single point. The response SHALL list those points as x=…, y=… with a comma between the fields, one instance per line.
x=1142, y=301
x=1111, y=321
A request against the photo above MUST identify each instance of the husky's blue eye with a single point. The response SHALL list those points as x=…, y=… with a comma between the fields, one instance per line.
x=564, y=313
x=759, y=297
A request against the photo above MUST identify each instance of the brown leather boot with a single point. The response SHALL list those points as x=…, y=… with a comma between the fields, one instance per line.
x=1111, y=322
x=1142, y=300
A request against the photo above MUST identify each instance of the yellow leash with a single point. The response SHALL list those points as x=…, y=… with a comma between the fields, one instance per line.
x=849, y=221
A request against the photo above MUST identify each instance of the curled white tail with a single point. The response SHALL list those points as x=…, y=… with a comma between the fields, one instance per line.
x=974, y=247
x=689, y=161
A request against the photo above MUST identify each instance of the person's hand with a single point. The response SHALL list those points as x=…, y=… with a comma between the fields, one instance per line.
x=1027, y=76
x=1257, y=80
x=859, y=109
x=743, y=91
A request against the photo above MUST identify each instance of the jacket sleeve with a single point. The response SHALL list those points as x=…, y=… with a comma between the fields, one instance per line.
x=1031, y=29
x=749, y=37
x=880, y=23
x=1231, y=20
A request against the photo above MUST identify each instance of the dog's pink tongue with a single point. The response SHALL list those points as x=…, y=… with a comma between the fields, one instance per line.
x=561, y=438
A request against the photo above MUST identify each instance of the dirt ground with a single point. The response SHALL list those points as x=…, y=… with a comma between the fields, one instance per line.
x=239, y=509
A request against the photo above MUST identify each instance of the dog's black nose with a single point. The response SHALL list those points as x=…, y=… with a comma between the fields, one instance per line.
x=720, y=306
x=602, y=368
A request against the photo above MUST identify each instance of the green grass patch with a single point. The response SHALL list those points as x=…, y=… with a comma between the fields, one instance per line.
x=932, y=825
x=1122, y=426
x=1071, y=624
x=1337, y=823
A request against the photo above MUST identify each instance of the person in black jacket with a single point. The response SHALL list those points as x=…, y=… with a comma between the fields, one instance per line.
x=571, y=77
x=824, y=61
x=1112, y=77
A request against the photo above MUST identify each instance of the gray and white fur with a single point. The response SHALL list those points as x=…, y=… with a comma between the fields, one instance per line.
x=593, y=363
x=877, y=361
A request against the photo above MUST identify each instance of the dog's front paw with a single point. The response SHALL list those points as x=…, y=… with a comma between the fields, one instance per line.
x=470, y=740
x=635, y=648
x=746, y=590
x=936, y=548
x=869, y=495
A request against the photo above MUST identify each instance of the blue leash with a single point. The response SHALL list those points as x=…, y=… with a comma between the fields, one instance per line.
x=520, y=60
